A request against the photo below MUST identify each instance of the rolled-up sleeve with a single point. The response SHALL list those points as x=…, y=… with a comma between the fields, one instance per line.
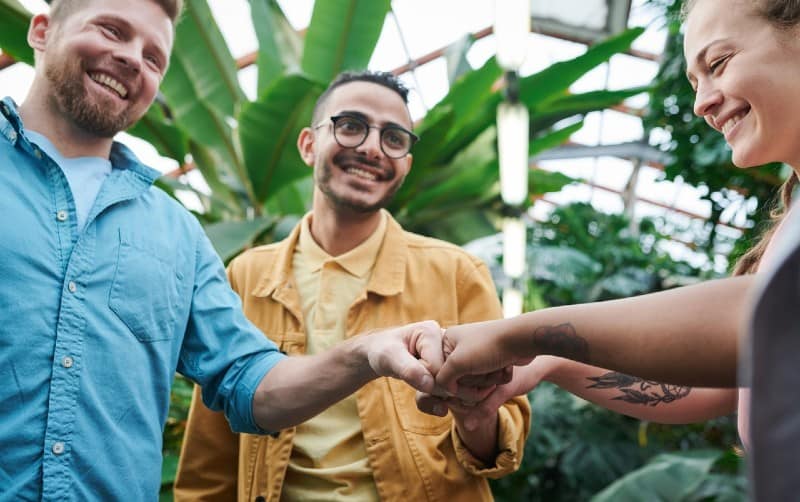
x=223, y=351
x=478, y=301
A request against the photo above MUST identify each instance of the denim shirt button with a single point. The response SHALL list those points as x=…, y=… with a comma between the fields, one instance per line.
x=67, y=362
x=61, y=215
x=72, y=287
x=58, y=448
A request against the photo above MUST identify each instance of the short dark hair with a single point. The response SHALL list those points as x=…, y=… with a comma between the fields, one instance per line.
x=384, y=78
x=59, y=9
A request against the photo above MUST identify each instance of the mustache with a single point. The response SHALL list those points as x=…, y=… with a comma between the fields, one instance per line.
x=384, y=172
x=349, y=158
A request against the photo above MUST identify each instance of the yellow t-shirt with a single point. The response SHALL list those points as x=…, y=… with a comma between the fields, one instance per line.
x=329, y=459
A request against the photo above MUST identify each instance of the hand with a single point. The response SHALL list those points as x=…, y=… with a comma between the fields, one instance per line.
x=472, y=414
x=412, y=353
x=482, y=348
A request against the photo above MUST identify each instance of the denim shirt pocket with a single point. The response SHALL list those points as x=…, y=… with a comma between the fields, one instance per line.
x=144, y=290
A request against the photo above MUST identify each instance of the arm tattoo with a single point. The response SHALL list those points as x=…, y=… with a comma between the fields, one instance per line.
x=562, y=341
x=638, y=391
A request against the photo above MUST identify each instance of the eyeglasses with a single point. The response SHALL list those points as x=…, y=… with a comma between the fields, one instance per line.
x=351, y=132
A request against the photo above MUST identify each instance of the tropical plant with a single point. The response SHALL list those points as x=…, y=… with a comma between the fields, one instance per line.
x=245, y=149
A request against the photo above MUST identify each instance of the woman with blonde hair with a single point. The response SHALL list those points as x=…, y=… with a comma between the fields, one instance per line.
x=743, y=61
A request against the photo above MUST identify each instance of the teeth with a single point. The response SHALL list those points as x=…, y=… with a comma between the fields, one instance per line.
x=361, y=173
x=110, y=82
x=728, y=125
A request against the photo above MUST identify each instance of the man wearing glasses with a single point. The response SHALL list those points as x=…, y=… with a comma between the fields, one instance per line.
x=347, y=268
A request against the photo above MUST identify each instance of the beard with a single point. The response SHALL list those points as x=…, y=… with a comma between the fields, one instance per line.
x=93, y=114
x=323, y=177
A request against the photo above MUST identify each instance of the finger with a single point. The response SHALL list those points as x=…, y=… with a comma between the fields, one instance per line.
x=427, y=345
x=473, y=394
x=498, y=377
x=431, y=405
x=411, y=370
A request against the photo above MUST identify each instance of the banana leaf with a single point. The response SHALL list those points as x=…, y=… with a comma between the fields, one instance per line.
x=279, y=45
x=268, y=131
x=341, y=36
x=202, y=89
x=14, y=22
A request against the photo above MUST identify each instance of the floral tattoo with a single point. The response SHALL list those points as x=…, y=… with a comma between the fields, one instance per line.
x=639, y=391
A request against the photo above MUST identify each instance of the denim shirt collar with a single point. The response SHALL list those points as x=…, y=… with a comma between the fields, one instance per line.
x=122, y=158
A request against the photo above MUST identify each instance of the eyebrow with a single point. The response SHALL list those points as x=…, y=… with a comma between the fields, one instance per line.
x=702, y=54
x=128, y=27
x=363, y=116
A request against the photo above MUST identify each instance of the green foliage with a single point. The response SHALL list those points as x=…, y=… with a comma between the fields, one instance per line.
x=581, y=255
x=578, y=451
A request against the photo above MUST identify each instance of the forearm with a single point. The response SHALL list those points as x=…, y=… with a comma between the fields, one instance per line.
x=480, y=440
x=300, y=387
x=686, y=336
x=637, y=397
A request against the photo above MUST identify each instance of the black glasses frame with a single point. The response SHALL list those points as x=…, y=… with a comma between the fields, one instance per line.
x=381, y=131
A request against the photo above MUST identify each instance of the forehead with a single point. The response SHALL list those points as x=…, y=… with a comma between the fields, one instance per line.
x=379, y=103
x=712, y=20
x=145, y=17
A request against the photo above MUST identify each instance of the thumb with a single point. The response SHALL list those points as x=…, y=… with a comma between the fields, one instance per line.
x=412, y=371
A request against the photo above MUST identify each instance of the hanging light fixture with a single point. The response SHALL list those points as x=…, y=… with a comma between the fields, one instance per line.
x=512, y=24
x=514, y=247
x=512, y=151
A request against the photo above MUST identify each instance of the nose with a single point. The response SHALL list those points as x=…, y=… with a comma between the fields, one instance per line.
x=706, y=100
x=371, y=147
x=129, y=56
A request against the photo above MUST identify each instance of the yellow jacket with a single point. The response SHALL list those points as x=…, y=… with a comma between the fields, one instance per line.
x=414, y=456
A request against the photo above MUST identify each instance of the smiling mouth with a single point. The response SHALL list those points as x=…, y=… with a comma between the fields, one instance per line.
x=110, y=83
x=361, y=173
x=731, y=122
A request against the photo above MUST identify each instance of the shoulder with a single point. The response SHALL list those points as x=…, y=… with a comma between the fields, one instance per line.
x=430, y=248
x=258, y=258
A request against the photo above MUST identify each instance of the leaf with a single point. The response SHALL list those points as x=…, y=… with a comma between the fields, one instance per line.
x=169, y=467
x=230, y=237
x=280, y=47
x=456, y=57
x=268, y=131
x=579, y=104
x=541, y=181
x=294, y=199
x=202, y=89
x=552, y=139
x=221, y=190
x=162, y=133
x=667, y=477
x=554, y=80
x=341, y=36
x=14, y=22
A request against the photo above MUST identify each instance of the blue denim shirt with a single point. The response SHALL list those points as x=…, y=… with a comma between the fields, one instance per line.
x=93, y=326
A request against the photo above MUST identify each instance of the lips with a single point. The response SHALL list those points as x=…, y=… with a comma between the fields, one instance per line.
x=730, y=121
x=363, y=168
x=110, y=83
x=361, y=173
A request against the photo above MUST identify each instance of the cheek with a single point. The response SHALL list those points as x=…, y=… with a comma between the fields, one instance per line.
x=150, y=86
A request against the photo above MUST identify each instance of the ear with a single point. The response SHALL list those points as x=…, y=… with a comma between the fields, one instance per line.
x=38, y=31
x=305, y=145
